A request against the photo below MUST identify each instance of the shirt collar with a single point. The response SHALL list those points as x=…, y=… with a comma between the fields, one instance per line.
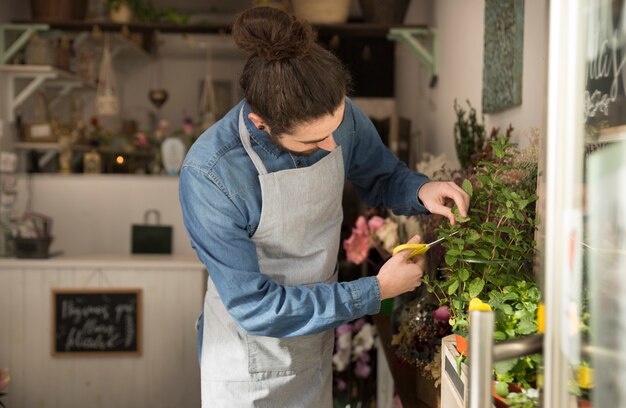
x=258, y=136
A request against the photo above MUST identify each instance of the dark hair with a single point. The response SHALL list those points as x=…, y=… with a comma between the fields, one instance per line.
x=289, y=79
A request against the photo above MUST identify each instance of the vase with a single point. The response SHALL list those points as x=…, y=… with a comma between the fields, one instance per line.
x=123, y=14
x=173, y=151
x=384, y=12
x=322, y=11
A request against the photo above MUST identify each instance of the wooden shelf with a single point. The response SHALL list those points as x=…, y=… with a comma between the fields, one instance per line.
x=27, y=71
x=47, y=146
x=352, y=29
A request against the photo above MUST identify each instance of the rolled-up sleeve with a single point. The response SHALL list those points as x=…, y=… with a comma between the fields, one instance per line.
x=219, y=233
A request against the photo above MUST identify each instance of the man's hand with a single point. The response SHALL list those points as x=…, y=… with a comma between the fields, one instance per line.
x=399, y=274
x=434, y=194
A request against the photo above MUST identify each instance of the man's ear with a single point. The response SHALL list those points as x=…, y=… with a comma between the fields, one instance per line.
x=258, y=121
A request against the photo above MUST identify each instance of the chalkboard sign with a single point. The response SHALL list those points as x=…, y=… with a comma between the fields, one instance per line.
x=605, y=93
x=106, y=321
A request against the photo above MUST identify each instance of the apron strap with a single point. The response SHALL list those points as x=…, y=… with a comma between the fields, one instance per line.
x=244, y=135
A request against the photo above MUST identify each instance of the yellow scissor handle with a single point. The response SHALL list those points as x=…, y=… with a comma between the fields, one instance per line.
x=418, y=249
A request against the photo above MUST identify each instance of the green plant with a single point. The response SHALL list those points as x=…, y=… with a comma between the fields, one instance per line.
x=495, y=244
x=146, y=12
x=528, y=398
x=491, y=256
x=469, y=135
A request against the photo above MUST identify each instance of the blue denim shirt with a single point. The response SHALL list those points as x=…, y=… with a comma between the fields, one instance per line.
x=220, y=197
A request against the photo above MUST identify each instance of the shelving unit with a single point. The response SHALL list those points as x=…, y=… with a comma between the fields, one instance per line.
x=37, y=76
x=407, y=35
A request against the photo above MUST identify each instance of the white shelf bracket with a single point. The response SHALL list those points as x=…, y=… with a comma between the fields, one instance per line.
x=25, y=32
x=66, y=88
x=407, y=37
x=14, y=101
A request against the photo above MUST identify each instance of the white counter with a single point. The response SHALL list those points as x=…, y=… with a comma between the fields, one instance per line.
x=166, y=374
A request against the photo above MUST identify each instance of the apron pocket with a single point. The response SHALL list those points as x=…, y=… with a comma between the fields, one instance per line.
x=288, y=355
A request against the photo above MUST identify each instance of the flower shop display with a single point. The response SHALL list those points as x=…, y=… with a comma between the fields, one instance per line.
x=354, y=359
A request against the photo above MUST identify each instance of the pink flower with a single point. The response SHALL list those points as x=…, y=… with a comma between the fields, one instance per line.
x=188, y=128
x=362, y=370
x=141, y=140
x=443, y=313
x=4, y=378
x=340, y=384
x=375, y=223
x=365, y=358
x=361, y=226
x=344, y=328
x=358, y=245
x=357, y=325
x=164, y=124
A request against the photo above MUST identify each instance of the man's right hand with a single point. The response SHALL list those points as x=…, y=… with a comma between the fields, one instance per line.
x=399, y=274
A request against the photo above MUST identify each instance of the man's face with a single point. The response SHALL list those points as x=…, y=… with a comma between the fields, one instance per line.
x=307, y=138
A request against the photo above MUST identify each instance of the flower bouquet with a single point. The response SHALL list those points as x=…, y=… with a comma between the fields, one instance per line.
x=354, y=382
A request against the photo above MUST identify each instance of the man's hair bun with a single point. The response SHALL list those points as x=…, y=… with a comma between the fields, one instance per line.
x=272, y=34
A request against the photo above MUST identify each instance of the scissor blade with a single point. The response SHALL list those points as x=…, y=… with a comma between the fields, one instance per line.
x=440, y=240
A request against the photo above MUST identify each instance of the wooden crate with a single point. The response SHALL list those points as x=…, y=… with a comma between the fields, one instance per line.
x=454, y=383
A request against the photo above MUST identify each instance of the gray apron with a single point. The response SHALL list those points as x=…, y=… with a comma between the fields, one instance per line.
x=297, y=241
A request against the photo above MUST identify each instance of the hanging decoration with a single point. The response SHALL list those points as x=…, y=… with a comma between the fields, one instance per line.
x=107, y=101
x=157, y=95
x=208, y=101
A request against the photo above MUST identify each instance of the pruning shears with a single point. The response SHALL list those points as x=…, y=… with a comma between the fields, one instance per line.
x=420, y=249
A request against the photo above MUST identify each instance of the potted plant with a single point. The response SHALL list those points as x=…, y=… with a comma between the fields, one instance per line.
x=491, y=257
x=124, y=11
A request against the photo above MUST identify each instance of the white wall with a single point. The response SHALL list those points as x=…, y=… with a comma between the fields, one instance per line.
x=93, y=214
x=461, y=28
x=166, y=374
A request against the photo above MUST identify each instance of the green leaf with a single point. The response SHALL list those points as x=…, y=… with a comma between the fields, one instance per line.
x=450, y=260
x=458, y=217
x=507, y=309
x=502, y=389
x=475, y=287
x=453, y=252
x=498, y=335
x=464, y=274
x=503, y=367
x=467, y=187
x=498, y=151
x=453, y=287
x=527, y=326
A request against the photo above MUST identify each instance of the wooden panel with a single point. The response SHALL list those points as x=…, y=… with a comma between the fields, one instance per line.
x=166, y=374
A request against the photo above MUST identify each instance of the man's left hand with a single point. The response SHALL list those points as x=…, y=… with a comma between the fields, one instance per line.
x=434, y=194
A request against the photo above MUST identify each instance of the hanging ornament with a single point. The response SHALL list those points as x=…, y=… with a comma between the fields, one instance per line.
x=107, y=101
x=208, y=101
x=158, y=97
